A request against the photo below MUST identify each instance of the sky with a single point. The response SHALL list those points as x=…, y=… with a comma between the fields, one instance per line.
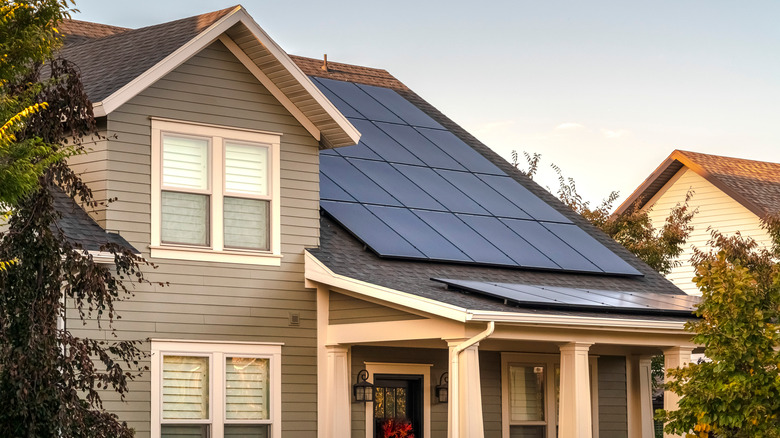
x=605, y=90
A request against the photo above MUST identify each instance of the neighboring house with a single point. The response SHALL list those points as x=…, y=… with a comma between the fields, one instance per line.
x=730, y=194
x=301, y=211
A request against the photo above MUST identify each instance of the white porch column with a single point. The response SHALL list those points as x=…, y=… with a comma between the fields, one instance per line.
x=466, y=422
x=640, y=403
x=337, y=407
x=673, y=358
x=575, y=405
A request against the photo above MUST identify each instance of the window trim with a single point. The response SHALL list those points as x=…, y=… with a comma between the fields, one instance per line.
x=217, y=136
x=217, y=352
x=549, y=361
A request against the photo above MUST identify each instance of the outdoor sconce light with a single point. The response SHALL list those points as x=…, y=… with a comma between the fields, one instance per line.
x=442, y=389
x=363, y=390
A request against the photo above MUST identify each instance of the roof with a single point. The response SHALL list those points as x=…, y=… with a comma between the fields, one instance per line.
x=81, y=229
x=345, y=255
x=118, y=63
x=754, y=184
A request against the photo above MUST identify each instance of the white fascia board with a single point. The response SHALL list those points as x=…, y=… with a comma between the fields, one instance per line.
x=301, y=77
x=208, y=36
x=578, y=321
x=317, y=272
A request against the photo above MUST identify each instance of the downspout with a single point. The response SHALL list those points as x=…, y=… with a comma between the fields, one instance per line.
x=455, y=375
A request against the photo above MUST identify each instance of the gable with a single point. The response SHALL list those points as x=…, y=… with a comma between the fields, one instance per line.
x=716, y=210
x=119, y=66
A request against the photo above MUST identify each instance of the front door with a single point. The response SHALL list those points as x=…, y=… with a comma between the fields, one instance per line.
x=398, y=409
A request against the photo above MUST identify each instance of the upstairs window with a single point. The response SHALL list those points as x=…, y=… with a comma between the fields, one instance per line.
x=215, y=194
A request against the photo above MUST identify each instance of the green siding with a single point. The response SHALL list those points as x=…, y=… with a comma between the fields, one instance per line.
x=348, y=310
x=613, y=410
x=214, y=301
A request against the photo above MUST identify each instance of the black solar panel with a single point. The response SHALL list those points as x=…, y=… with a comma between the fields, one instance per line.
x=413, y=189
x=561, y=298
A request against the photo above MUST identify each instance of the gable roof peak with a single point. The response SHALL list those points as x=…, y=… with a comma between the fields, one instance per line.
x=754, y=184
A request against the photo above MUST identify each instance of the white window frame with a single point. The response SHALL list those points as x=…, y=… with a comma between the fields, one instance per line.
x=549, y=361
x=215, y=250
x=217, y=352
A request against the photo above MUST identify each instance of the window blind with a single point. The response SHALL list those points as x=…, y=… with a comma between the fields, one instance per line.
x=246, y=388
x=246, y=169
x=185, y=388
x=185, y=162
x=526, y=393
x=185, y=218
x=246, y=223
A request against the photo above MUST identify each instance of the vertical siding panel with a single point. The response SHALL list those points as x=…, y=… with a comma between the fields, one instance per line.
x=613, y=402
x=214, y=301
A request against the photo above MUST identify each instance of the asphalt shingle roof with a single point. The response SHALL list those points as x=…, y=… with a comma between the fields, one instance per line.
x=754, y=184
x=80, y=228
x=111, y=61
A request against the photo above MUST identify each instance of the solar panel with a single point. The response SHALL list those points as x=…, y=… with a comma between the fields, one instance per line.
x=442, y=198
x=460, y=151
x=396, y=184
x=489, y=199
x=400, y=106
x=352, y=181
x=441, y=190
x=427, y=152
x=464, y=237
x=384, y=145
x=362, y=102
x=418, y=233
x=514, y=246
x=372, y=231
x=550, y=245
x=582, y=242
x=563, y=298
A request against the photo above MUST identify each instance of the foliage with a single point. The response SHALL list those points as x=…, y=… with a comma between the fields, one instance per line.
x=397, y=428
x=658, y=247
x=50, y=380
x=737, y=392
x=28, y=37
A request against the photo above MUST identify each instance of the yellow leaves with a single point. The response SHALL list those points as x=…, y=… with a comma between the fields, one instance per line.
x=5, y=135
x=4, y=264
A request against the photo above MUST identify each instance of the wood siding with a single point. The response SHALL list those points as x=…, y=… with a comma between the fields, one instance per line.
x=206, y=300
x=716, y=210
x=348, y=310
x=613, y=399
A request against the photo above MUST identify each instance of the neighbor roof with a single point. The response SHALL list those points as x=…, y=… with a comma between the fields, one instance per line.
x=117, y=63
x=345, y=255
x=754, y=184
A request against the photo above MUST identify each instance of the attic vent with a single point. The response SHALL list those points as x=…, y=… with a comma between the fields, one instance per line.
x=295, y=319
x=325, y=62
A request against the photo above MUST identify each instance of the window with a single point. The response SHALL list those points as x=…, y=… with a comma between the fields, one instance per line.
x=215, y=193
x=211, y=390
x=531, y=394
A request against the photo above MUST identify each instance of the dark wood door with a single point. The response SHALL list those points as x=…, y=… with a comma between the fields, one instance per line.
x=398, y=400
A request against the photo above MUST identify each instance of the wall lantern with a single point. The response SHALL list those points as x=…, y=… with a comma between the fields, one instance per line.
x=442, y=389
x=363, y=390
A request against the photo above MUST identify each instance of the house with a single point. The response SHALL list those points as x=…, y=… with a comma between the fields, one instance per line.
x=323, y=228
x=730, y=194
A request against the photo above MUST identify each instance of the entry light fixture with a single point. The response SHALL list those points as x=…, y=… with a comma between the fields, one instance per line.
x=442, y=389
x=362, y=389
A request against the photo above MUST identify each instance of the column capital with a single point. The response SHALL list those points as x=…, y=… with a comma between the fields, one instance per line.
x=575, y=346
x=679, y=349
x=337, y=348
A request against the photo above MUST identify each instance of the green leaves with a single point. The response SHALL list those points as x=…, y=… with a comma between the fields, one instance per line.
x=737, y=392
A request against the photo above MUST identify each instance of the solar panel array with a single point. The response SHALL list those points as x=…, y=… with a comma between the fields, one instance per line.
x=565, y=298
x=412, y=189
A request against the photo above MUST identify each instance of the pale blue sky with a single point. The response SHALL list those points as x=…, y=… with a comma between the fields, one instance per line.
x=604, y=89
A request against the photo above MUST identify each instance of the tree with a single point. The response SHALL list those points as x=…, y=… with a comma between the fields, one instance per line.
x=658, y=247
x=736, y=393
x=28, y=38
x=50, y=380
